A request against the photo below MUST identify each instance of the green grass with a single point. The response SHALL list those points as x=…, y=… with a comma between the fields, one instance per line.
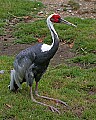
x=86, y=60
x=30, y=32
x=2, y=24
x=18, y=8
x=84, y=35
x=75, y=5
x=74, y=85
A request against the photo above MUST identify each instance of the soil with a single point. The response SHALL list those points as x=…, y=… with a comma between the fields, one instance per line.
x=87, y=10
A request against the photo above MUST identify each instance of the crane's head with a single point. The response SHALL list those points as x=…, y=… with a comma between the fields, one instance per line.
x=56, y=18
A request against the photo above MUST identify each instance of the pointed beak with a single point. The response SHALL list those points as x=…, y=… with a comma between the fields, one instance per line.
x=68, y=23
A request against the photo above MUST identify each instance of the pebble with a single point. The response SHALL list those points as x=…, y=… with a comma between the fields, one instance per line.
x=59, y=9
x=41, y=12
x=69, y=8
x=72, y=14
x=69, y=11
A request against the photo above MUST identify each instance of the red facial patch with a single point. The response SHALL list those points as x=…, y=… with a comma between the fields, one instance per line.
x=55, y=18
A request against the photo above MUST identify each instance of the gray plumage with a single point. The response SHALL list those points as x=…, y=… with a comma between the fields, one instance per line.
x=32, y=63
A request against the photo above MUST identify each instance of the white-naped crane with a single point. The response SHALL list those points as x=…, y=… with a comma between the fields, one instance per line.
x=32, y=63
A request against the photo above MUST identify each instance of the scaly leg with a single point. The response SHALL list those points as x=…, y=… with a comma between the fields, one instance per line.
x=48, y=98
x=53, y=109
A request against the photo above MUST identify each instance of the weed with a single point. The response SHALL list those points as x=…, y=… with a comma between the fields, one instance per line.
x=73, y=4
x=85, y=60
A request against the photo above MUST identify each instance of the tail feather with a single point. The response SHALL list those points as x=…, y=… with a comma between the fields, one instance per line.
x=17, y=80
x=14, y=83
x=12, y=80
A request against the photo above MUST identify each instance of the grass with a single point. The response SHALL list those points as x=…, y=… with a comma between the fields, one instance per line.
x=74, y=85
x=30, y=32
x=75, y=5
x=18, y=8
x=84, y=60
x=2, y=24
x=84, y=35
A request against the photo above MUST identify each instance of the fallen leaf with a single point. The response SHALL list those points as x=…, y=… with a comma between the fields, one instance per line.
x=40, y=40
x=27, y=17
x=9, y=106
x=71, y=45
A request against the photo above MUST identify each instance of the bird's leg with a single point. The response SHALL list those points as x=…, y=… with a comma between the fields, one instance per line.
x=48, y=98
x=53, y=109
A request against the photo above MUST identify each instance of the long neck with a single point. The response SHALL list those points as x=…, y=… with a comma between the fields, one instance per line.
x=55, y=39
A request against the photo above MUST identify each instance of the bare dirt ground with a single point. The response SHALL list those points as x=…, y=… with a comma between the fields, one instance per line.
x=87, y=10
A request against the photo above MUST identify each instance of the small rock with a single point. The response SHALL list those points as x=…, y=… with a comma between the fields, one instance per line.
x=47, y=13
x=69, y=11
x=69, y=8
x=58, y=9
x=51, y=6
x=80, y=4
x=72, y=14
x=41, y=12
x=60, y=55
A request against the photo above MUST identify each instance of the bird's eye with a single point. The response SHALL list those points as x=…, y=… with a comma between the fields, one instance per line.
x=55, y=20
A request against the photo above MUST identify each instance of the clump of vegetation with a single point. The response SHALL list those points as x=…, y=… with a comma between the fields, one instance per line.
x=75, y=5
x=94, y=9
x=85, y=60
x=2, y=24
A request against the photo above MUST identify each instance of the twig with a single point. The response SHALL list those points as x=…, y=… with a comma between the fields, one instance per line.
x=83, y=50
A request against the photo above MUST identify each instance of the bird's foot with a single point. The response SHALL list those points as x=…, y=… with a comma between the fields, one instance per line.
x=61, y=102
x=53, y=109
x=55, y=100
